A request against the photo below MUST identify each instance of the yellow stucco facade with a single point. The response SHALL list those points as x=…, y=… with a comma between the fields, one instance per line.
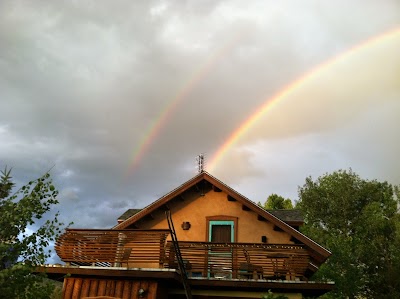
x=196, y=210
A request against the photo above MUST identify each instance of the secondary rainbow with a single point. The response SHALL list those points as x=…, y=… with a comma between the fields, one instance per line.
x=270, y=103
x=165, y=114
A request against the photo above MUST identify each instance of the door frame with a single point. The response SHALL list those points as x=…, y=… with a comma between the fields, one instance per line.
x=221, y=220
x=211, y=220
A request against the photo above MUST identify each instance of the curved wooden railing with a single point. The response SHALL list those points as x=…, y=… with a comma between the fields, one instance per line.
x=111, y=247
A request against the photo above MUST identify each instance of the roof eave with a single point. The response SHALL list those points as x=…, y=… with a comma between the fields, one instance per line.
x=160, y=202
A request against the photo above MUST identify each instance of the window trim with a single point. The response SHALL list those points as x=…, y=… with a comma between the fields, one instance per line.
x=210, y=219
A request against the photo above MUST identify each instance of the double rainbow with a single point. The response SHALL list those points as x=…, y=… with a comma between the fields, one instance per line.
x=268, y=105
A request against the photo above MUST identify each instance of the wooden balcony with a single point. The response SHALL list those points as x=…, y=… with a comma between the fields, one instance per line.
x=104, y=247
x=241, y=260
x=134, y=249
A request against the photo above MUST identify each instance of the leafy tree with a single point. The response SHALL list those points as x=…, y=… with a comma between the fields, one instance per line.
x=20, y=250
x=271, y=295
x=358, y=221
x=276, y=202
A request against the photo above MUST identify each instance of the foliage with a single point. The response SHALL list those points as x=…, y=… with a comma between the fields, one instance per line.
x=277, y=202
x=21, y=251
x=57, y=293
x=358, y=221
x=271, y=295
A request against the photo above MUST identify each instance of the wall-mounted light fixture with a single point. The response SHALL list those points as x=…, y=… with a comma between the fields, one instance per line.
x=141, y=293
x=185, y=225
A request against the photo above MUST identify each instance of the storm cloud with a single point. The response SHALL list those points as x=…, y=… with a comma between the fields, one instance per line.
x=83, y=84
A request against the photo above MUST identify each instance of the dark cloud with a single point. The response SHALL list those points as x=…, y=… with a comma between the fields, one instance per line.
x=82, y=84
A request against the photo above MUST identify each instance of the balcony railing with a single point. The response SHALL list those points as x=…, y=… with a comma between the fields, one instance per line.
x=241, y=260
x=149, y=249
x=112, y=247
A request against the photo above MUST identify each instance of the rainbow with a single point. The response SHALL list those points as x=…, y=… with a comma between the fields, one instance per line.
x=168, y=110
x=272, y=102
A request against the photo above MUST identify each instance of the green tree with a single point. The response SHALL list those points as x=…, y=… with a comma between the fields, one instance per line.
x=358, y=221
x=20, y=250
x=271, y=295
x=276, y=202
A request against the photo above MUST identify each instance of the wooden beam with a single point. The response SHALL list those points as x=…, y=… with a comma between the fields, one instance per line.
x=293, y=239
x=165, y=207
x=216, y=189
x=60, y=272
x=230, y=198
x=245, y=208
x=200, y=189
x=260, y=218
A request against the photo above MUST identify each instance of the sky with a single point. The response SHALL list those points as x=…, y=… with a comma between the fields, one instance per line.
x=118, y=98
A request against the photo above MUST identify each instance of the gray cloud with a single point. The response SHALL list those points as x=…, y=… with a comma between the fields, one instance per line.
x=82, y=84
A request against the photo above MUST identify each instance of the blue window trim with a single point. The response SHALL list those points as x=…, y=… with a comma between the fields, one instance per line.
x=222, y=222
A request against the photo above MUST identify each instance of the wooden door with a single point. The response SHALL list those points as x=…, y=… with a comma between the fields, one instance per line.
x=220, y=258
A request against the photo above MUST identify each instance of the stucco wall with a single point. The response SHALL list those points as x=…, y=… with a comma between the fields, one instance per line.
x=195, y=211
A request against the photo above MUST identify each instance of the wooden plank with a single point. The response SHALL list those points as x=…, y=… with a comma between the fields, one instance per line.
x=152, y=289
x=101, y=290
x=126, y=293
x=110, y=288
x=94, y=284
x=69, y=287
x=76, y=293
x=135, y=290
x=85, y=287
x=119, y=288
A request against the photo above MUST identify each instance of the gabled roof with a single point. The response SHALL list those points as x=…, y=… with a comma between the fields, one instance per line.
x=318, y=252
x=127, y=214
x=293, y=217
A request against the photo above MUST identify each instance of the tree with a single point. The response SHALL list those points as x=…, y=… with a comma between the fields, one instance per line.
x=20, y=250
x=271, y=295
x=276, y=202
x=358, y=221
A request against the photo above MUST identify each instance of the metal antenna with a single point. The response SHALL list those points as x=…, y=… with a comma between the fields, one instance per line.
x=200, y=163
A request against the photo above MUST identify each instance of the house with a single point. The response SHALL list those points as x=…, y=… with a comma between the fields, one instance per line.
x=201, y=240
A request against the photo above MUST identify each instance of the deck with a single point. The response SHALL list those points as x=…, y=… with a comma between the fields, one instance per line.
x=137, y=249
